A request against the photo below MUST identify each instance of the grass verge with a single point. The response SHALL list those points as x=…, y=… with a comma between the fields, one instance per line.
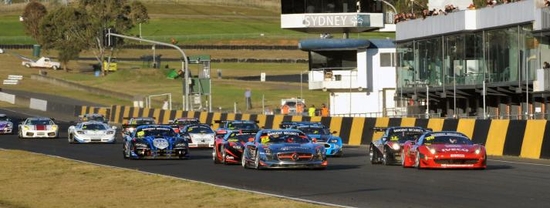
x=34, y=180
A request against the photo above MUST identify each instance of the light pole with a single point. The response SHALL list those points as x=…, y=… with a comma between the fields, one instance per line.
x=454, y=94
x=427, y=100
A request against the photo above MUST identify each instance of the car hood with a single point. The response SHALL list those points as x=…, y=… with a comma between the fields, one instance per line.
x=292, y=147
x=454, y=148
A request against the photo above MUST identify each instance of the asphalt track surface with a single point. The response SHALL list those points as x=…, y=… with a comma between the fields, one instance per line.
x=348, y=181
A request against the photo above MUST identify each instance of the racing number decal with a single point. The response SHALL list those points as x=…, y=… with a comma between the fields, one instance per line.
x=394, y=138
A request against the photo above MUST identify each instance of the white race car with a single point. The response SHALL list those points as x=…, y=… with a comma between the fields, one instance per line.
x=38, y=127
x=91, y=132
x=6, y=126
x=198, y=135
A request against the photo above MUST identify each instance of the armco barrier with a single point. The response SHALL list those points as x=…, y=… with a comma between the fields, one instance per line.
x=528, y=139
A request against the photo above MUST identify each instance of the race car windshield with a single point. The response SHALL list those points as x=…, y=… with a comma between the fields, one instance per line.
x=96, y=118
x=93, y=127
x=447, y=140
x=199, y=130
x=184, y=122
x=40, y=122
x=293, y=139
x=315, y=130
x=405, y=136
x=144, y=122
x=159, y=132
x=243, y=138
x=3, y=118
x=244, y=126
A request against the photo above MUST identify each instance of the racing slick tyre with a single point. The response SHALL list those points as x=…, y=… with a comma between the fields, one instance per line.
x=257, y=161
x=243, y=160
x=417, y=162
x=373, y=156
x=215, y=156
x=387, y=158
x=125, y=152
x=224, y=155
x=71, y=139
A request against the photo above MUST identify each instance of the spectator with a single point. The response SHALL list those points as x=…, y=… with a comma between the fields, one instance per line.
x=165, y=105
x=311, y=110
x=546, y=65
x=324, y=110
x=248, y=98
x=547, y=3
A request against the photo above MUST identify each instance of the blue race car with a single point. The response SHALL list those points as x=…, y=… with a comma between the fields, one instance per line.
x=283, y=148
x=321, y=133
x=155, y=142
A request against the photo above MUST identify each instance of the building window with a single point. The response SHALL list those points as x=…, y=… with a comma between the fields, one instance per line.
x=387, y=60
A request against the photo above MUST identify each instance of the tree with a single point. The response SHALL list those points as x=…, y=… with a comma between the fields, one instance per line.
x=32, y=15
x=118, y=15
x=65, y=30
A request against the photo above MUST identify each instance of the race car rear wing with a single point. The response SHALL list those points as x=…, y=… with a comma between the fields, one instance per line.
x=378, y=129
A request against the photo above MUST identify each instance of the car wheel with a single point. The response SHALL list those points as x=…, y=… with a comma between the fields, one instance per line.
x=215, y=156
x=243, y=160
x=373, y=156
x=224, y=155
x=71, y=139
x=387, y=158
x=28, y=65
x=340, y=154
x=55, y=67
x=417, y=162
x=257, y=161
x=125, y=152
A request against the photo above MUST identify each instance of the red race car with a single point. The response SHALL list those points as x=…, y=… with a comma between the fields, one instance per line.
x=444, y=149
x=228, y=149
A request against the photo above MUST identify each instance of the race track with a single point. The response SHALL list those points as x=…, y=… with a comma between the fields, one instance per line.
x=348, y=181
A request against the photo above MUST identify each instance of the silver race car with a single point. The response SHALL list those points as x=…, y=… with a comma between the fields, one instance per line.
x=38, y=127
x=91, y=132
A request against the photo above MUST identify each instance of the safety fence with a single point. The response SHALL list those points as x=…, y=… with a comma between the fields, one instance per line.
x=523, y=138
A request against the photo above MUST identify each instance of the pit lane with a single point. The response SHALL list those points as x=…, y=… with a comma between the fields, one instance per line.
x=348, y=181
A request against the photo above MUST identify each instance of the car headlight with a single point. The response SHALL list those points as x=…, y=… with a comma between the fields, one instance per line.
x=432, y=150
x=110, y=132
x=54, y=127
x=333, y=141
x=80, y=132
x=181, y=145
x=141, y=145
x=10, y=125
x=477, y=151
x=26, y=127
x=395, y=146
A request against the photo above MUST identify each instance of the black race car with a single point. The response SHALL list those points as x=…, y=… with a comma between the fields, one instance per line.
x=387, y=150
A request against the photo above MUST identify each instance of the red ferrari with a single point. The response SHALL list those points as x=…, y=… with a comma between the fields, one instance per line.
x=444, y=149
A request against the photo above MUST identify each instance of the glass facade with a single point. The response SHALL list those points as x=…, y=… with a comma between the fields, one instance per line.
x=497, y=55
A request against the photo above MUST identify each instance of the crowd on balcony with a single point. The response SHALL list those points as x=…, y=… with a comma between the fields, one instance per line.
x=450, y=8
